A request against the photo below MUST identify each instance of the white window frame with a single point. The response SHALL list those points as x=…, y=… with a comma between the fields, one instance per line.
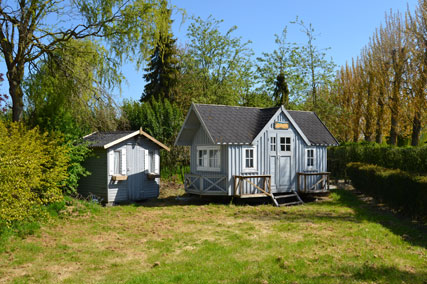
x=273, y=144
x=117, y=154
x=247, y=169
x=205, y=162
x=310, y=168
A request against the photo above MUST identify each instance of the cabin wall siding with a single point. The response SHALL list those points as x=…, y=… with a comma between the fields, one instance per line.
x=96, y=182
x=137, y=186
x=232, y=157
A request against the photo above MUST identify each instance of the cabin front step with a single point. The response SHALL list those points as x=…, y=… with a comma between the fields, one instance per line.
x=289, y=199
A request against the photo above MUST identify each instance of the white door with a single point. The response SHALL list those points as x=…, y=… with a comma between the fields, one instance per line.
x=280, y=157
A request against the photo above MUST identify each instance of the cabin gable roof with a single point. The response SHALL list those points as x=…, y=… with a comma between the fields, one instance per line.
x=108, y=139
x=243, y=125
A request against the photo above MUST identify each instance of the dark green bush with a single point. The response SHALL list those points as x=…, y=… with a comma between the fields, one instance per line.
x=398, y=189
x=411, y=159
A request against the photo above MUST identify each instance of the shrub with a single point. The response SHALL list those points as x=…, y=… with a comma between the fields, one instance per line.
x=411, y=159
x=32, y=174
x=400, y=190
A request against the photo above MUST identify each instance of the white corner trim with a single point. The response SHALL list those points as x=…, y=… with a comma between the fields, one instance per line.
x=106, y=146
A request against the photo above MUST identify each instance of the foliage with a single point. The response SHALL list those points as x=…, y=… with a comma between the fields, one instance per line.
x=399, y=189
x=382, y=93
x=33, y=172
x=215, y=66
x=162, y=120
x=285, y=59
x=129, y=29
x=67, y=95
x=162, y=70
x=411, y=159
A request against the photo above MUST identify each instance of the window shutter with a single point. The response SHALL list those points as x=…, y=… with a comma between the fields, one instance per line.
x=123, y=165
x=146, y=161
x=110, y=162
x=156, y=162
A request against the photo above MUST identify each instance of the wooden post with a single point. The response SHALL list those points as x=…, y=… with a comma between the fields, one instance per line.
x=235, y=185
x=269, y=184
x=201, y=183
x=305, y=183
x=298, y=175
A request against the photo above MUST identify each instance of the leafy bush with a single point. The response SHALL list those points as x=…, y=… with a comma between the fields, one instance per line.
x=399, y=189
x=33, y=173
x=411, y=159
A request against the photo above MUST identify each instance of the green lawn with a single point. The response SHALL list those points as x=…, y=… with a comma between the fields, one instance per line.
x=340, y=240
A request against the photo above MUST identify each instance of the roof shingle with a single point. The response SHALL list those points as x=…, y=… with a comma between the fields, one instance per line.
x=231, y=124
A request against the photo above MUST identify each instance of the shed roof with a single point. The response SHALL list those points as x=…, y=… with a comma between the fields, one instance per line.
x=232, y=124
x=107, y=139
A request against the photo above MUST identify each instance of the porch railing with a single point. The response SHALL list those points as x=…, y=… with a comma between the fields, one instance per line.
x=252, y=185
x=313, y=185
x=205, y=184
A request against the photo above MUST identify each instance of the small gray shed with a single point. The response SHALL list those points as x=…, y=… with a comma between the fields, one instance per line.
x=125, y=166
x=247, y=151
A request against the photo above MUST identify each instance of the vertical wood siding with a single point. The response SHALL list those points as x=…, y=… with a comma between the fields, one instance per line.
x=137, y=186
x=96, y=182
x=202, y=139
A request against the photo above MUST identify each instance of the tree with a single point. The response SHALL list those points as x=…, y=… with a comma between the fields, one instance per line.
x=29, y=32
x=313, y=62
x=281, y=91
x=218, y=64
x=66, y=93
x=274, y=67
x=162, y=71
x=416, y=26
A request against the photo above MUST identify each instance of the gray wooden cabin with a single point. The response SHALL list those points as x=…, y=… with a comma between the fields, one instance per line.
x=125, y=166
x=246, y=151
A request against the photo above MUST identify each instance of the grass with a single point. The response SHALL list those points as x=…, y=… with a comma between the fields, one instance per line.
x=339, y=240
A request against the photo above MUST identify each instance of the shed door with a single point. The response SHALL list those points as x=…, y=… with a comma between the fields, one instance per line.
x=281, y=153
x=135, y=171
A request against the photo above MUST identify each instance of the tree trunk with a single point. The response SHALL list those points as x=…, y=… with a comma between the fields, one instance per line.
x=394, y=116
x=15, y=77
x=379, y=124
x=368, y=115
x=416, y=129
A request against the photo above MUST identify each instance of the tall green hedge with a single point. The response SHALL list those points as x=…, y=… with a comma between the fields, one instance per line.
x=410, y=159
x=398, y=189
x=33, y=172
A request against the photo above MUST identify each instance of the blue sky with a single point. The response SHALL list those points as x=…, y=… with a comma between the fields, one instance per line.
x=343, y=25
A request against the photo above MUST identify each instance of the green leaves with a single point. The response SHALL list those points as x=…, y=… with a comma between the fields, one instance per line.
x=33, y=172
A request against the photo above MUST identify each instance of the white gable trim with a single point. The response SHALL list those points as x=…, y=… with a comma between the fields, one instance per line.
x=106, y=146
x=193, y=108
x=267, y=125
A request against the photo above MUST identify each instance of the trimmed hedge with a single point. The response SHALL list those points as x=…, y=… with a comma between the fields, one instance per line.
x=410, y=159
x=398, y=189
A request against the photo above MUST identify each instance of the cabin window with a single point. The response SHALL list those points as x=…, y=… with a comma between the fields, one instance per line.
x=285, y=144
x=208, y=158
x=310, y=159
x=117, y=162
x=151, y=161
x=249, y=159
x=273, y=144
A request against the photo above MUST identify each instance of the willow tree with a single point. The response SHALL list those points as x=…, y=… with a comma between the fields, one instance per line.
x=31, y=30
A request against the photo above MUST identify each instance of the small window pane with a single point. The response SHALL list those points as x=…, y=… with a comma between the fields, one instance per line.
x=117, y=162
x=273, y=144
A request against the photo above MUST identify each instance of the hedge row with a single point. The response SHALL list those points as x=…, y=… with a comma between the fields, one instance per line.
x=398, y=189
x=411, y=159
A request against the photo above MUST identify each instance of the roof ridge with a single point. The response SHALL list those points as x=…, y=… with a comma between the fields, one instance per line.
x=260, y=108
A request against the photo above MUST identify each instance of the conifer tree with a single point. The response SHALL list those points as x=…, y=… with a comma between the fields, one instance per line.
x=281, y=91
x=162, y=71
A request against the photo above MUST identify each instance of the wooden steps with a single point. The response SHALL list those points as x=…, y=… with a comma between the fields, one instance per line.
x=286, y=199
